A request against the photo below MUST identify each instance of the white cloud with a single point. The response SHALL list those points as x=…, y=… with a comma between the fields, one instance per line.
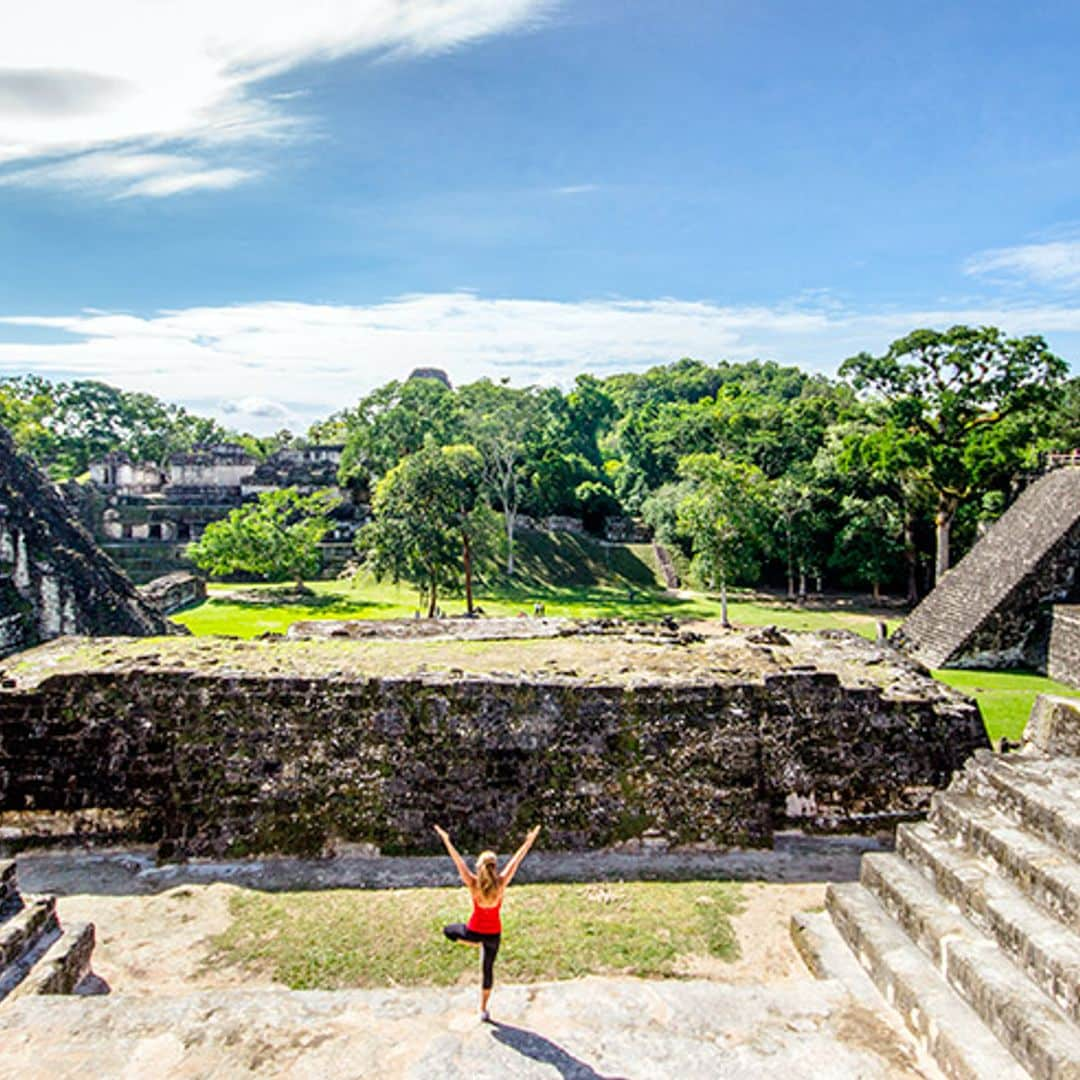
x=78, y=77
x=1055, y=263
x=314, y=358
x=129, y=174
x=577, y=189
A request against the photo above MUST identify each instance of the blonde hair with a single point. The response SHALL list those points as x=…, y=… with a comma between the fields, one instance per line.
x=487, y=875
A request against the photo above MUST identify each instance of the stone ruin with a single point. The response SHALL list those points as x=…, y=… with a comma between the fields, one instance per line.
x=37, y=955
x=227, y=747
x=971, y=929
x=998, y=607
x=145, y=515
x=53, y=578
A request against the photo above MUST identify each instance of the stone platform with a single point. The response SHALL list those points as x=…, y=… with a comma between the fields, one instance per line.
x=582, y=1030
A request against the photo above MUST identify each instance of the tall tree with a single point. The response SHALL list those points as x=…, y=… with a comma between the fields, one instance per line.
x=500, y=420
x=429, y=523
x=945, y=389
x=724, y=517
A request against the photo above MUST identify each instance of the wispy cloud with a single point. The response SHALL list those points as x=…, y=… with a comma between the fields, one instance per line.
x=124, y=175
x=307, y=354
x=80, y=78
x=577, y=189
x=1055, y=263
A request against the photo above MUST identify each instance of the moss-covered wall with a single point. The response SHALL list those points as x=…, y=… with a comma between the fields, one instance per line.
x=238, y=764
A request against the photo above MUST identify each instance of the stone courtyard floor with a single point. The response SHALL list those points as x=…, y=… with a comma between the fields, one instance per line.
x=170, y=1014
x=588, y=1028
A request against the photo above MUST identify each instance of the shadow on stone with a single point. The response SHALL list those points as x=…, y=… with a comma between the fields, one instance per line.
x=534, y=1046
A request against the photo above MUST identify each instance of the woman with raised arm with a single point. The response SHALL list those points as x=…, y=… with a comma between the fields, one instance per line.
x=486, y=887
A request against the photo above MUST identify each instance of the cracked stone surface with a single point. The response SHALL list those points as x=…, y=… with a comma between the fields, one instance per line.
x=585, y=1029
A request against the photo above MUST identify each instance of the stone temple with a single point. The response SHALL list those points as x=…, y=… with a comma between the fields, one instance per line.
x=1010, y=601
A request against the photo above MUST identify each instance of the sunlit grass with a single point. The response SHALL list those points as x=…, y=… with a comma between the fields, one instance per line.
x=1005, y=697
x=356, y=938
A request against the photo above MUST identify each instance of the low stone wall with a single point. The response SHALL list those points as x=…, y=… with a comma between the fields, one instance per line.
x=239, y=763
x=1063, y=655
x=172, y=592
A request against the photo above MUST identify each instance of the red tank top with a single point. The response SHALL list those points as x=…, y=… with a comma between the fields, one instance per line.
x=485, y=920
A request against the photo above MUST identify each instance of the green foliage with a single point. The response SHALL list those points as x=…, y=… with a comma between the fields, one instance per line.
x=724, y=516
x=276, y=537
x=967, y=401
x=65, y=426
x=430, y=522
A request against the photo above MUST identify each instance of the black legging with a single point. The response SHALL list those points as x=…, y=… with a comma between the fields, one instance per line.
x=488, y=942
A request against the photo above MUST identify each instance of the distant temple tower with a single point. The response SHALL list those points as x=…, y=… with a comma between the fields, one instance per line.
x=431, y=373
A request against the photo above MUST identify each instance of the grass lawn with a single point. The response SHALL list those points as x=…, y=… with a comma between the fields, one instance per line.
x=363, y=598
x=1005, y=697
x=359, y=938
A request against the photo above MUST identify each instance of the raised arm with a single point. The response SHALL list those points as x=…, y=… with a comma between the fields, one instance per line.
x=468, y=878
x=515, y=861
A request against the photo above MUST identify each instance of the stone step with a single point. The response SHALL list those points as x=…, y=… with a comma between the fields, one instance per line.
x=1039, y=793
x=10, y=901
x=1047, y=951
x=64, y=964
x=947, y=1027
x=1044, y=872
x=1039, y=1035
x=20, y=932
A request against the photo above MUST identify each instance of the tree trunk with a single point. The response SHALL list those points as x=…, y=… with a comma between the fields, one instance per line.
x=802, y=585
x=911, y=557
x=432, y=600
x=467, y=559
x=943, y=519
x=723, y=601
x=790, y=568
x=877, y=591
x=510, y=517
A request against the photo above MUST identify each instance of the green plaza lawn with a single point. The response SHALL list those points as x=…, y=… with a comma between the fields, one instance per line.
x=369, y=938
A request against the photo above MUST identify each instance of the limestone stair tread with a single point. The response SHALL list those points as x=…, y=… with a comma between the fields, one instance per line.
x=953, y=1033
x=1042, y=869
x=1046, y=949
x=1041, y=796
x=18, y=933
x=60, y=968
x=1039, y=1034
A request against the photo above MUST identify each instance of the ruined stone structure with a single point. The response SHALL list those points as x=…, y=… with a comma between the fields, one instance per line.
x=174, y=591
x=53, y=578
x=972, y=928
x=289, y=745
x=37, y=956
x=145, y=516
x=994, y=608
x=1063, y=655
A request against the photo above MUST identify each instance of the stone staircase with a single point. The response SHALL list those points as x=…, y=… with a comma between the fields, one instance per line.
x=37, y=956
x=971, y=929
x=1025, y=559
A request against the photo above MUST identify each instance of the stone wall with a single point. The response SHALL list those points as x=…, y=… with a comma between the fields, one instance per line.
x=53, y=578
x=171, y=592
x=1063, y=657
x=237, y=763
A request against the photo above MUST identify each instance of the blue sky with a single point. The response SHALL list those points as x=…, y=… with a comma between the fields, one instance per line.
x=263, y=209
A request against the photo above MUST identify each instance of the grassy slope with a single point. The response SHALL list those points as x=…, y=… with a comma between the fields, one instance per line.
x=345, y=938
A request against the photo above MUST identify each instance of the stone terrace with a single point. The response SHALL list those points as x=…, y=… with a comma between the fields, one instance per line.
x=219, y=747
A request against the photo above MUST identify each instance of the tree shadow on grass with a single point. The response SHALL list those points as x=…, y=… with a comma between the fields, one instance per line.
x=532, y=1045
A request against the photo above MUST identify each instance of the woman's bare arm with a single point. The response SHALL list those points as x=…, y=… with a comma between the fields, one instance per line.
x=512, y=866
x=468, y=878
